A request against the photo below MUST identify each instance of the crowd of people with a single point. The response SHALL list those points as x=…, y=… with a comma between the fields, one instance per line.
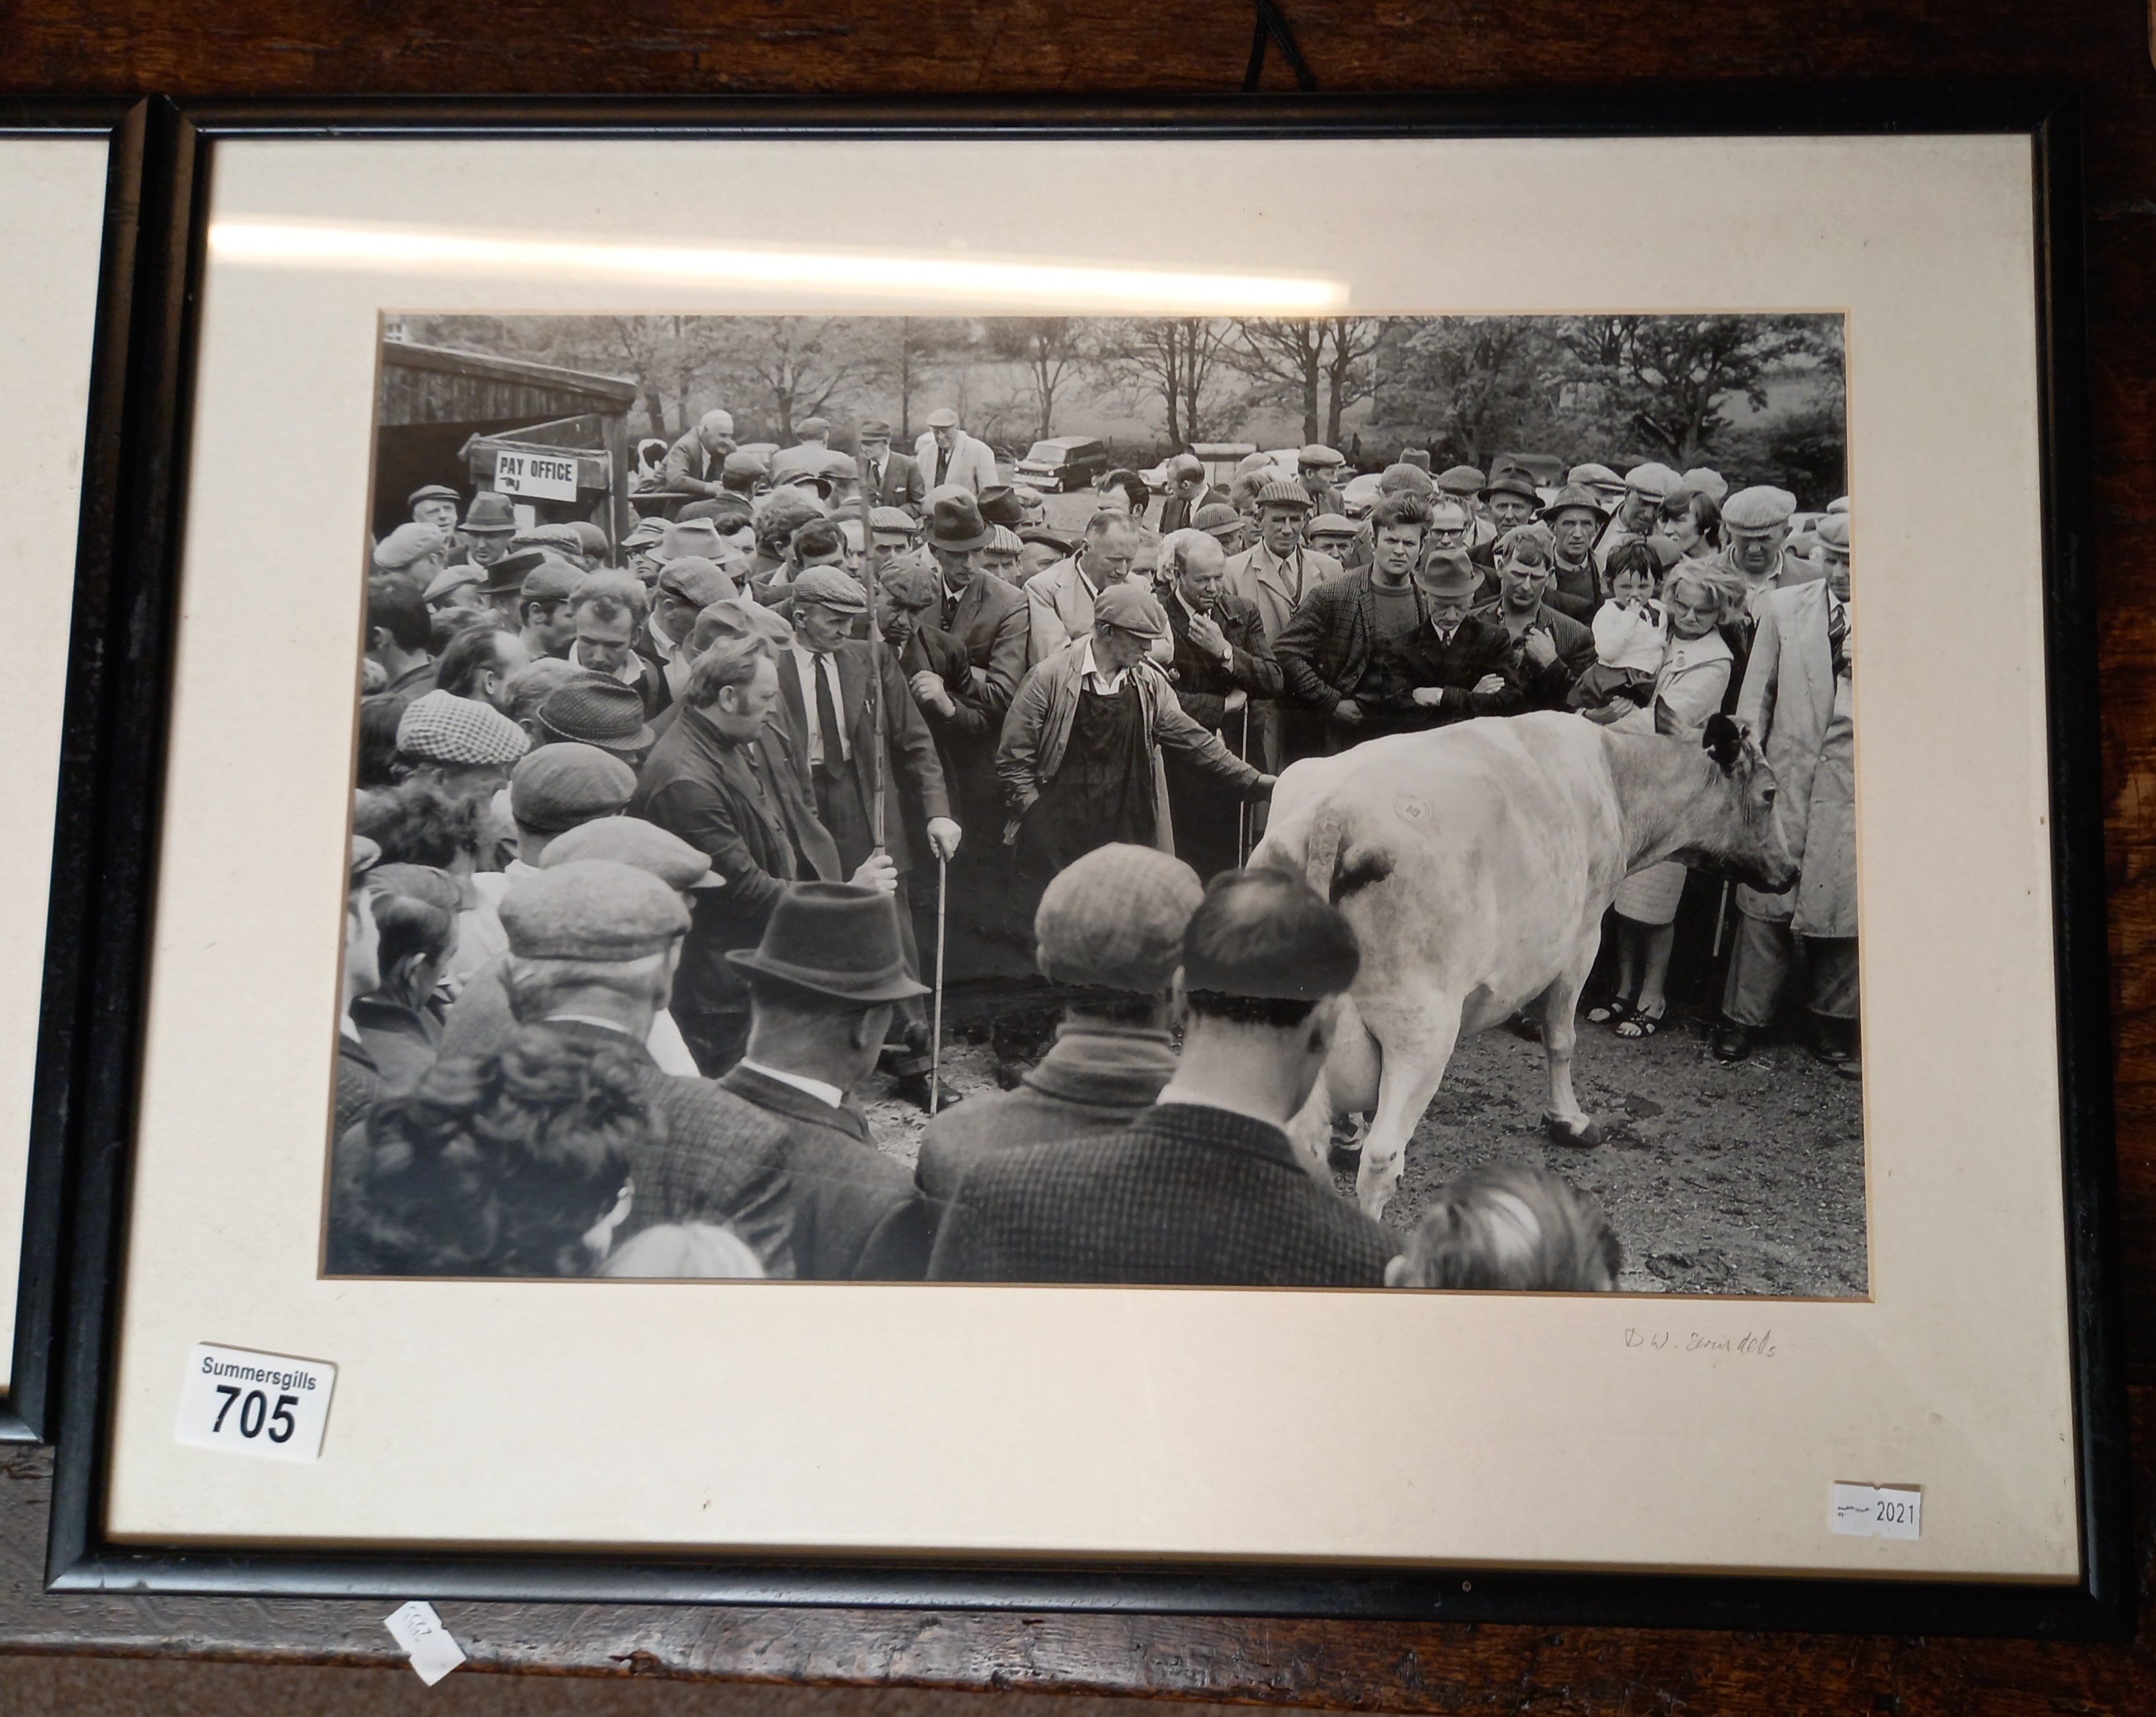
x=650, y=837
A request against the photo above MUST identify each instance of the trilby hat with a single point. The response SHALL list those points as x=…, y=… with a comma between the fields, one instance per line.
x=836, y=938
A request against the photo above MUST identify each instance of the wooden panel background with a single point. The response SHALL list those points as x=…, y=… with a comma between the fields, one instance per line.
x=882, y=47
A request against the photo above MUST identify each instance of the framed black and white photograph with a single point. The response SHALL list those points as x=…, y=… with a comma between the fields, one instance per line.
x=70, y=182
x=1076, y=904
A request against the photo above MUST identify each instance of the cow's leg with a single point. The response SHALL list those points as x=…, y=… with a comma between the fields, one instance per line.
x=1565, y=1120
x=1417, y=1039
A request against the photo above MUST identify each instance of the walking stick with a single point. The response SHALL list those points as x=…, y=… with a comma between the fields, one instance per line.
x=935, y=1028
x=1721, y=918
x=1243, y=806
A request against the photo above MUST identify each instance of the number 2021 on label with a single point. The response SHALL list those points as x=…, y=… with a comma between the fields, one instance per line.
x=241, y=1402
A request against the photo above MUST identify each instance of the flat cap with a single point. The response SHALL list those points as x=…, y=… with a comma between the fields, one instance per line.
x=442, y=728
x=1002, y=540
x=1268, y=934
x=694, y=579
x=1332, y=524
x=454, y=579
x=1760, y=508
x=552, y=580
x=838, y=465
x=559, y=786
x=1448, y=572
x=1115, y=918
x=910, y=582
x=1653, y=479
x=942, y=418
x=786, y=510
x=1212, y=519
x=875, y=429
x=1405, y=480
x=1838, y=504
x=1833, y=532
x=893, y=518
x=1594, y=476
x=648, y=531
x=828, y=587
x=1318, y=458
x=595, y=909
x=809, y=428
x=601, y=711
x=1461, y=480
x=366, y=855
x=407, y=543
x=1286, y=492
x=739, y=617
x=1706, y=481
x=432, y=491
x=631, y=841
x=549, y=537
x=790, y=465
x=1130, y=607
x=743, y=462
x=1363, y=492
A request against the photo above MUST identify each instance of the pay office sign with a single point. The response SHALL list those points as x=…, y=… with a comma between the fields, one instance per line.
x=542, y=476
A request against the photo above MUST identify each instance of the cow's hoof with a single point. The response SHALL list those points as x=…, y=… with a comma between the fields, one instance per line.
x=1586, y=1135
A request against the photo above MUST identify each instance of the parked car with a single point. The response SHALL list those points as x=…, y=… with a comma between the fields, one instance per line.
x=1156, y=477
x=1062, y=463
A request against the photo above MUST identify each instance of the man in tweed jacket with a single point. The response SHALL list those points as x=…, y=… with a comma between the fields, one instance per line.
x=1204, y=1187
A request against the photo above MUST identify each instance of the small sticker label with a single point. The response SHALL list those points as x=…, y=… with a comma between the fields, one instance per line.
x=1877, y=1511
x=433, y=1650
x=247, y=1403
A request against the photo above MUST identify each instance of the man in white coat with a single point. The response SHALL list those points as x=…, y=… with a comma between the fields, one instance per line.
x=1797, y=702
x=947, y=455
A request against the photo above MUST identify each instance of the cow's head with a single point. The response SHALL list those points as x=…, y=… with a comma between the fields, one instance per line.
x=1738, y=835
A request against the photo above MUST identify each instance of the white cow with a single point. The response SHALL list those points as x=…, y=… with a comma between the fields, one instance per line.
x=1475, y=863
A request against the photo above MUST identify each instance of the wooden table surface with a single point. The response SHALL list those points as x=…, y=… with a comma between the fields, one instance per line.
x=882, y=47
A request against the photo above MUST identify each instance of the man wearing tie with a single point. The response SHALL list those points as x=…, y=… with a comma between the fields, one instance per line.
x=1797, y=702
x=1448, y=670
x=1188, y=491
x=986, y=616
x=1222, y=662
x=947, y=455
x=889, y=479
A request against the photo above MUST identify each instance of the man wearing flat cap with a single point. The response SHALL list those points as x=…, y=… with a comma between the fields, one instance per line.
x=1224, y=526
x=1327, y=651
x=1755, y=530
x=435, y=504
x=948, y=456
x=778, y=1150
x=1204, y=1188
x=537, y=594
x=725, y=778
x=1318, y=469
x=686, y=587
x=692, y=463
x=1188, y=491
x=1109, y=929
x=893, y=532
x=1221, y=665
x=1639, y=514
x=890, y=479
x=1276, y=576
x=417, y=551
x=830, y=718
x=1797, y=702
x=1081, y=752
x=458, y=740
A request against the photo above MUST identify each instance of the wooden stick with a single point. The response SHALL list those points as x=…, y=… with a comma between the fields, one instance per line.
x=935, y=1027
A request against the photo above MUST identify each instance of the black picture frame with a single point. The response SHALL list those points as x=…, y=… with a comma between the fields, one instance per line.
x=28, y=1407
x=183, y=139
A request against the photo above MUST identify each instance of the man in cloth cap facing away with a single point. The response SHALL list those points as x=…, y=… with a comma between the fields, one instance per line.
x=1799, y=702
x=1221, y=663
x=359, y=1080
x=890, y=479
x=684, y=589
x=725, y=779
x=1204, y=1187
x=778, y=1150
x=1080, y=756
x=693, y=462
x=1112, y=926
x=948, y=456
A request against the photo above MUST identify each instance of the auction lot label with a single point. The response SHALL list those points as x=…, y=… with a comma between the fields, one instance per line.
x=246, y=1403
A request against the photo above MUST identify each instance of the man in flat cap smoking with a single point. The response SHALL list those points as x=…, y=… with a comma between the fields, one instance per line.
x=1204, y=1187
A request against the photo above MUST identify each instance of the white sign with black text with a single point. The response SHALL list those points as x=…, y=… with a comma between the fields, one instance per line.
x=247, y=1403
x=544, y=476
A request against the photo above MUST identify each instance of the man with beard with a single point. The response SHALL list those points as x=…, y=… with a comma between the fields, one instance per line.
x=1797, y=702
x=1221, y=662
x=1327, y=650
x=1575, y=519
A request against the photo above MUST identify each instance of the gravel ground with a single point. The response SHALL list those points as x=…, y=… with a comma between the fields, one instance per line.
x=1743, y=1179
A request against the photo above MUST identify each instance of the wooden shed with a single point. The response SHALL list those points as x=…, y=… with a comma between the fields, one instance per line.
x=478, y=422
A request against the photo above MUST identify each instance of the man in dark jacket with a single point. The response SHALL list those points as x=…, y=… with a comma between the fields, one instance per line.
x=1446, y=670
x=776, y=1151
x=1222, y=662
x=724, y=778
x=989, y=617
x=1188, y=491
x=1111, y=923
x=889, y=479
x=1327, y=650
x=1540, y=652
x=1204, y=1188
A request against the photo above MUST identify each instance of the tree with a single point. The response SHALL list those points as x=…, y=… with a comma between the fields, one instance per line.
x=1050, y=347
x=800, y=364
x=1322, y=364
x=1473, y=385
x=1176, y=361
